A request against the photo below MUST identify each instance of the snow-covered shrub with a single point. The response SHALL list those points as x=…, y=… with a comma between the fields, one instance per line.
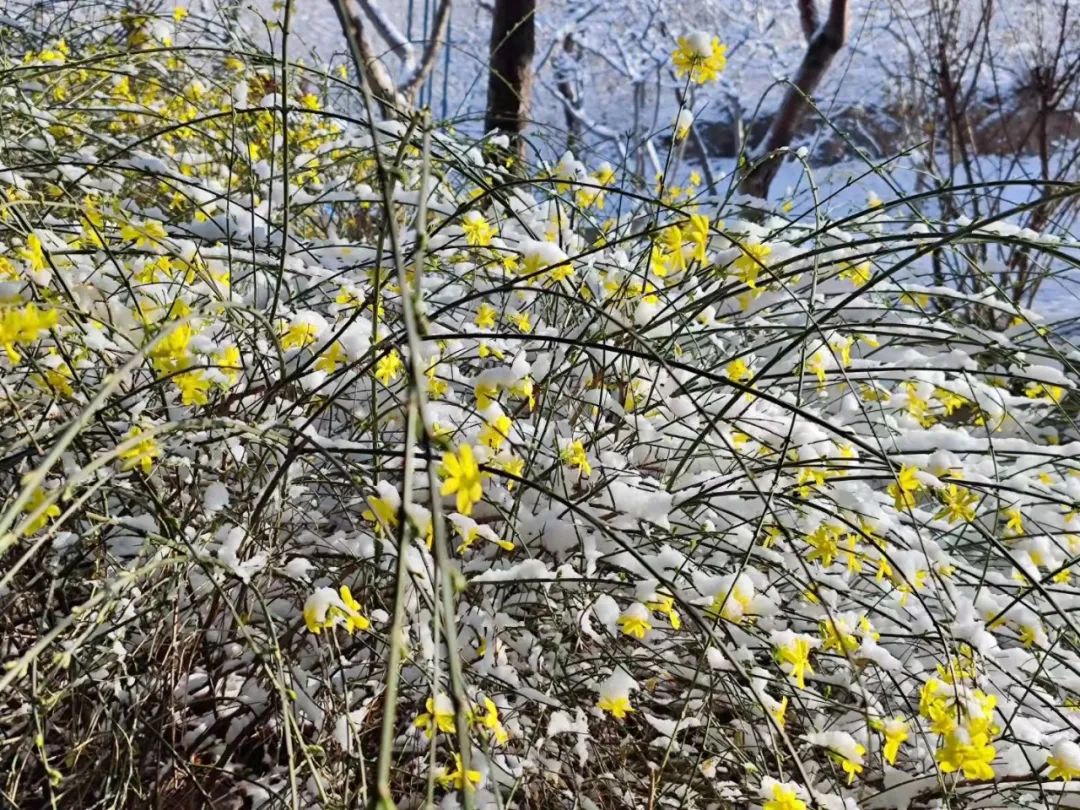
x=339, y=464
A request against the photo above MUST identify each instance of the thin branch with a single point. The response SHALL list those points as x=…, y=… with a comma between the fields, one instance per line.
x=578, y=114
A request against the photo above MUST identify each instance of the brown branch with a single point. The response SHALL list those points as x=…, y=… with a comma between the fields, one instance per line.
x=808, y=16
x=431, y=51
x=364, y=58
x=389, y=32
x=393, y=97
x=826, y=42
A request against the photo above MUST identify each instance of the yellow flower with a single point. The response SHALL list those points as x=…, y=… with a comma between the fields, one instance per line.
x=33, y=254
x=734, y=601
x=934, y=706
x=603, y=176
x=382, y=513
x=779, y=712
x=737, y=370
x=141, y=454
x=796, y=654
x=634, y=625
x=836, y=635
x=521, y=321
x=972, y=754
x=949, y=400
x=895, y=732
x=438, y=717
x=666, y=606
x=959, y=504
x=784, y=798
x=905, y=486
x=853, y=767
x=478, y=232
x=144, y=234
x=495, y=433
x=1054, y=393
x=1064, y=762
x=389, y=367
x=524, y=389
x=354, y=617
x=824, y=541
x=55, y=376
x=331, y=358
x=670, y=259
x=1015, y=524
x=460, y=778
x=857, y=274
x=436, y=387
x=194, y=387
x=697, y=233
x=618, y=707
x=42, y=520
x=179, y=13
x=299, y=335
x=485, y=316
x=170, y=353
x=575, y=456
x=683, y=121
x=750, y=262
x=515, y=466
x=490, y=720
x=700, y=57
x=462, y=476
x=981, y=715
x=486, y=393
x=23, y=325
x=324, y=607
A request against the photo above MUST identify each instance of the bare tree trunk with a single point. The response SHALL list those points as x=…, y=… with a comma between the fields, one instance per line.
x=824, y=41
x=566, y=71
x=513, y=41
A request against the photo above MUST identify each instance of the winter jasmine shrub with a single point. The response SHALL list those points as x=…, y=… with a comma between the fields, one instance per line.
x=341, y=466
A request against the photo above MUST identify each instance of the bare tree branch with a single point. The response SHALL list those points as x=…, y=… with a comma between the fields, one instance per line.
x=393, y=96
x=579, y=115
x=824, y=45
x=435, y=44
x=391, y=34
x=808, y=16
x=364, y=58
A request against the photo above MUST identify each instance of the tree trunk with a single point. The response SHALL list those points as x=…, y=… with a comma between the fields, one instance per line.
x=513, y=41
x=566, y=75
x=823, y=43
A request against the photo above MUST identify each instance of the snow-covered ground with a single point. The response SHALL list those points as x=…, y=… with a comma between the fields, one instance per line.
x=847, y=187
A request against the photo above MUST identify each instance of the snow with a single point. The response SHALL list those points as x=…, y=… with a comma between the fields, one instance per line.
x=765, y=41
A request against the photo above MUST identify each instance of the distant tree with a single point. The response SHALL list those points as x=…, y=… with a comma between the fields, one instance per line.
x=513, y=43
x=823, y=41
